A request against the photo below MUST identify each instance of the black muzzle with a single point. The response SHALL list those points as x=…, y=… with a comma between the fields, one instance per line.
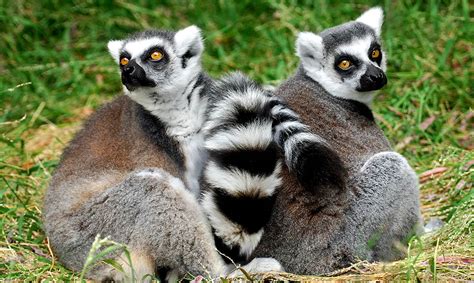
x=133, y=76
x=373, y=79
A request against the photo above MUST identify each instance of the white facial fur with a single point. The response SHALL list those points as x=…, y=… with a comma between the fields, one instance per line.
x=320, y=66
x=168, y=100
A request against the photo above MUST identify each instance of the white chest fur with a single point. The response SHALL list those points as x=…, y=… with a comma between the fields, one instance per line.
x=184, y=113
x=195, y=157
x=185, y=126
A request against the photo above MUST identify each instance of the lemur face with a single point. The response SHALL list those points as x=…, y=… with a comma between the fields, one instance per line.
x=347, y=60
x=156, y=64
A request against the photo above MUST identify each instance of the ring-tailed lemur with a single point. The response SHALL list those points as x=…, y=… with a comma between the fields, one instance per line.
x=122, y=174
x=340, y=70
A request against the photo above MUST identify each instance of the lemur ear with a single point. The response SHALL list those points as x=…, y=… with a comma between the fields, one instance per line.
x=189, y=41
x=373, y=18
x=309, y=47
x=114, y=47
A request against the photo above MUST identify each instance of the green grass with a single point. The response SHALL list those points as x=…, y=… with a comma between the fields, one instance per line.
x=55, y=69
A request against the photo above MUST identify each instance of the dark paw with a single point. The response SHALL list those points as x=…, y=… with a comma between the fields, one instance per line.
x=318, y=167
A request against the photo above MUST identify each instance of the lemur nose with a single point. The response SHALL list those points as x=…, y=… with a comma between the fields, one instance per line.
x=129, y=69
x=133, y=76
x=373, y=79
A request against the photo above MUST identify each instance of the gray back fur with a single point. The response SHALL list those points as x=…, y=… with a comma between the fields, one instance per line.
x=318, y=233
x=377, y=212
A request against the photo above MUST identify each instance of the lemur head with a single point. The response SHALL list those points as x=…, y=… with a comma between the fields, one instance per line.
x=347, y=60
x=158, y=65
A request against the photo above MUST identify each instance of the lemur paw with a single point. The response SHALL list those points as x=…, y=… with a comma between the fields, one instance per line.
x=320, y=167
x=258, y=265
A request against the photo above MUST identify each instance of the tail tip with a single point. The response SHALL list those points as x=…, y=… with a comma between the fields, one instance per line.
x=318, y=166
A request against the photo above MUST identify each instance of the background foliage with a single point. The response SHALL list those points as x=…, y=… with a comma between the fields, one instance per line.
x=54, y=70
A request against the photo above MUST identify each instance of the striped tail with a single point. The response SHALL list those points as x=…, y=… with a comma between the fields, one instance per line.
x=242, y=172
x=246, y=132
x=307, y=155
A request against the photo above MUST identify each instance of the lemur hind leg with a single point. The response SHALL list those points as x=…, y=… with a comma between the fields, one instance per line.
x=151, y=212
x=386, y=207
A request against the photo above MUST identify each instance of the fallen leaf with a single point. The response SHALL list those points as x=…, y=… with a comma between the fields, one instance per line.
x=401, y=145
x=454, y=259
x=427, y=122
x=460, y=185
x=425, y=176
x=396, y=111
x=198, y=279
x=39, y=252
x=99, y=78
x=28, y=164
x=468, y=165
x=466, y=121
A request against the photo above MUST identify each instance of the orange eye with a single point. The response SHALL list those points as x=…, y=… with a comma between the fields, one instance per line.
x=124, y=61
x=375, y=54
x=344, y=64
x=156, y=56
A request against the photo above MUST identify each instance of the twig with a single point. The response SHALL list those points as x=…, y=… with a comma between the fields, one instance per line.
x=15, y=87
x=53, y=260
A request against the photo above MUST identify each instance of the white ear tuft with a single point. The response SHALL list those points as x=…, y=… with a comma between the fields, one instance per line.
x=189, y=40
x=373, y=18
x=309, y=47
x=114, y=47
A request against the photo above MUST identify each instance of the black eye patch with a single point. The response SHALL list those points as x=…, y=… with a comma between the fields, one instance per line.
x=125, y=54
x=146, y=56
x=355, y=64
x=373, y=47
